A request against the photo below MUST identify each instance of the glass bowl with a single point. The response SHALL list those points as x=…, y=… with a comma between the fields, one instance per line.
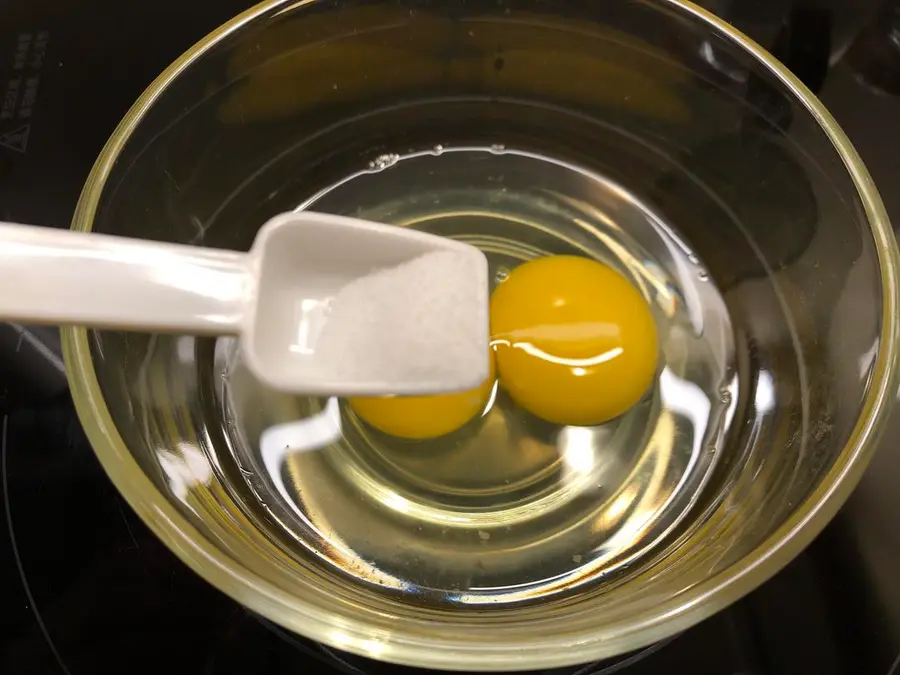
x=650, y=112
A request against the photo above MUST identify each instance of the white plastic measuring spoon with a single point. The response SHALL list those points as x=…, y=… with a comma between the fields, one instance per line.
x=276, y=297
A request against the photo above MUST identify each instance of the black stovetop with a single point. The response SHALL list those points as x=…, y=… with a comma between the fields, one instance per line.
x=85, y=589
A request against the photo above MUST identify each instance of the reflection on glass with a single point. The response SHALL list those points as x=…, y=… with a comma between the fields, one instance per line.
x=184, y=349
x=185, y=468
x=685, y=398
x=278, y=442
x=576, y=447
x=621, y=504
x=765, y=392
x=309, y=433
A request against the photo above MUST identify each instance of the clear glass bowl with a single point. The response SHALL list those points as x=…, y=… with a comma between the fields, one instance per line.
x=676, y=112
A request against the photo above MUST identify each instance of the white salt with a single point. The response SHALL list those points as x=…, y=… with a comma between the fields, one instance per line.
x=424, y=322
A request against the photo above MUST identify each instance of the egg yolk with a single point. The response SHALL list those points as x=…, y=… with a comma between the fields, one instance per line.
x=575, y=341
x=419, y=417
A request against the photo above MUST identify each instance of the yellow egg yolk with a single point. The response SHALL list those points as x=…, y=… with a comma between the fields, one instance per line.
x=419, y=417
x=575, y=341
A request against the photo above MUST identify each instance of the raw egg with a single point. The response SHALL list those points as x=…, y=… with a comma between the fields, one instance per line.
x=419, y=417
x=575, y=341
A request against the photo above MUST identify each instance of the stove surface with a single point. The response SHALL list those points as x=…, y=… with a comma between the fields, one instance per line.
x=88, y=590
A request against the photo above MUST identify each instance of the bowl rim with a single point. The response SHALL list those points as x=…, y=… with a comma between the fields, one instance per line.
x=452, y=653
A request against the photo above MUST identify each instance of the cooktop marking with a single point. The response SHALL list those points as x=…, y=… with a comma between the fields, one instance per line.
x=17, y=139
